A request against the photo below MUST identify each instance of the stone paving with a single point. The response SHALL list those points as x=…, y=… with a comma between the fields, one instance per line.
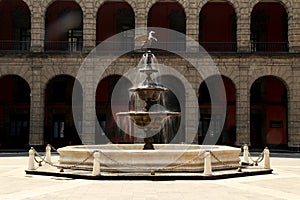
x=283, y=183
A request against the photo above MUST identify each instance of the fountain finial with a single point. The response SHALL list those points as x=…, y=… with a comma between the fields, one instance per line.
x=147, y=39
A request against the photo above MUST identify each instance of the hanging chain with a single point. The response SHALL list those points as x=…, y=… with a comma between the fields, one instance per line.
x=258, y=160
x=199, y=155
x=222, y=162
x=60, y=166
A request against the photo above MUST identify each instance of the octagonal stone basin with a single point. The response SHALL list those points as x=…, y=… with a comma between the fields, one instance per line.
x=165, y=157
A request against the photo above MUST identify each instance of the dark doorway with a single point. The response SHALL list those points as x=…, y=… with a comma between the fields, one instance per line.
x=228, y=130
x=14, y=112
x=268, y=112
x=59, y=127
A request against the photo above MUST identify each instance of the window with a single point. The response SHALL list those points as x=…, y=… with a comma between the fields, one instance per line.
x=75, y=40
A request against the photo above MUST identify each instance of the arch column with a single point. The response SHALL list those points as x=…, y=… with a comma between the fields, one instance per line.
x=243, y=108
x=36, y=132
x=37, y=29
x=243, y=28
x=140, y=21
x=89, y=26
x=294, y=30
x=192, y=25
x=294, y=111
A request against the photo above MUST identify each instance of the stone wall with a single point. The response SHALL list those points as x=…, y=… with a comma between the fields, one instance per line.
x=243, y=67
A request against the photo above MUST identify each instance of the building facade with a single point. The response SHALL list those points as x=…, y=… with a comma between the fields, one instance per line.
x=255, y=45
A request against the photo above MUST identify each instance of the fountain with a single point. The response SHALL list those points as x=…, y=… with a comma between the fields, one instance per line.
x=150, y=93
x=149, y=156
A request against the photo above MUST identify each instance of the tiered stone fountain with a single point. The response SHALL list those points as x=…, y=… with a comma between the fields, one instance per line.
x=149, y=91
x=149, y=157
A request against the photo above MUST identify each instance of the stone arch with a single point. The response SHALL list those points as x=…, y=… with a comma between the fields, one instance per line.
x=99, y=3
x=182, y=3
x=29, y=3
x=284, y=78
x=50, y=73
x=24, y=74
x=46, y=3
x=234, y=3
x=285, y=3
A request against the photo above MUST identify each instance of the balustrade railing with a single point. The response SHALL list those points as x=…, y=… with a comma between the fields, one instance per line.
x=219, y=46
x=67, y=46
x=269, y=46
x=63, y=46
x=14, y=46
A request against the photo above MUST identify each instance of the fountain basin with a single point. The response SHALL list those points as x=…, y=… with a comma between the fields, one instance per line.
x=148, y=93
x=165, y=157
x=148, y=120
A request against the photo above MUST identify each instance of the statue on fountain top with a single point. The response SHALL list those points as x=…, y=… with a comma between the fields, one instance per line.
x=147, y=39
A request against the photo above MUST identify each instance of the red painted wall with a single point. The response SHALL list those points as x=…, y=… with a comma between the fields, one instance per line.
x=275, y=92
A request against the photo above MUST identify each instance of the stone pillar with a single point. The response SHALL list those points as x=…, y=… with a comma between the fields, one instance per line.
x=37, y=28
x=294, y=29
x=87, y=79
x=243, y=28
x=243, y=106
x=294, y=109
x=140, y=22
x=36, y=106
x=192, y=26
x=89, y=26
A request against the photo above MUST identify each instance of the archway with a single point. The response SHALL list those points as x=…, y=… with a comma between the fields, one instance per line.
x=268, y=112
x=14, y=112
x=217, y=27
x=108, y=127
x=63, y=27
x=15, y=26
x=228, y=130
x=269, y=27
x=59, y=127
x=169, y=15
x=113, y=18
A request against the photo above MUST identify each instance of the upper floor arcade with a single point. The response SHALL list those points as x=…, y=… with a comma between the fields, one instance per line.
x=218, y=26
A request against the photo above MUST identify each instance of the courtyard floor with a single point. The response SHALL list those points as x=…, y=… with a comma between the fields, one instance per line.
x=283, y=183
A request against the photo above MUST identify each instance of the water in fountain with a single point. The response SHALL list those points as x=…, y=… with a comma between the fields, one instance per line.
x=152, y=117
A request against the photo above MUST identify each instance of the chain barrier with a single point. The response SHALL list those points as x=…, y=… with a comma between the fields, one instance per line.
x=258, y=160
x=222, y=162
x=200, y=155
x=53, y=148
x=61, y=167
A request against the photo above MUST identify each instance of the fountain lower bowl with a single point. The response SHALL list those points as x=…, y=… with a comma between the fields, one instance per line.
x=165, y=157
x=148, y=120
x=149, y=93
